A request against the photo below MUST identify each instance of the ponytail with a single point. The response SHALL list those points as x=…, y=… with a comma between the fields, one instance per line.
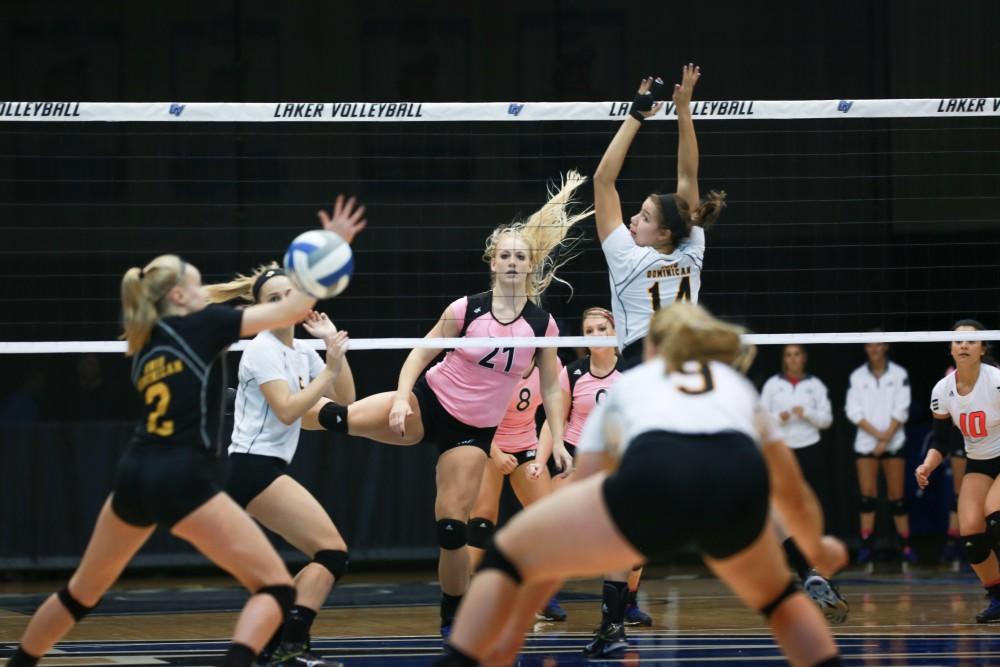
x=143, y=291
x=241, y=287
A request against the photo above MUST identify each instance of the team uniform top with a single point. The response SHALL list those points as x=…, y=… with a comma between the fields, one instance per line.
x=517, y=432
x=180, y=375
x=643, y=279
x=257, y=430
x=475, y=384
x=705, y=399
x=977, y=414
x=586, y=391
x=780, y=394
x=878, y=400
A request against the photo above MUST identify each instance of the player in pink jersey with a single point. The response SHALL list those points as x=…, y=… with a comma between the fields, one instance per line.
x=462, y=399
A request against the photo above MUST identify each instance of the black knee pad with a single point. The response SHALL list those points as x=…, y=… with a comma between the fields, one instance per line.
x=977, y=548
x=868, y=504
x=495, y=560
x=75, y=608
x=773, y=605
x=333, y=417
x=993, y=527
x=283, y=595
x=334, y=561
x=480, y=532
x=898, y=507
x=452, y=534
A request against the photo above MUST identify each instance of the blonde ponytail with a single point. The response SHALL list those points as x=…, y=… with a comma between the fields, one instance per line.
x=143, y=291
x=544, y=231
x=687, y=332
x=240, y=287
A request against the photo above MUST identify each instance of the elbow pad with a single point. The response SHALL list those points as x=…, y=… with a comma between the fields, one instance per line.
x=942, y=434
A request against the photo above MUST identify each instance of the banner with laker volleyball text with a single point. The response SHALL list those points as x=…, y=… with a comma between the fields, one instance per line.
x=405, y=112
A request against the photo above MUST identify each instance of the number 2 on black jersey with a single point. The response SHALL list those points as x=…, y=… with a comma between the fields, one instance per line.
x=683, y=292
x=159, y=393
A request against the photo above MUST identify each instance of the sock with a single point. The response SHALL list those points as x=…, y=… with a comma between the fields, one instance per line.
x=795, y=558
x=297, y=626
x=274, y=642
x=835, y=661
x=953, y=533
x=238, y=655
x=22, y=658
x=613, y=598
x=866, y=539
x=449, y=607
x=333, y=417
x=633, y=598
x=904, y=539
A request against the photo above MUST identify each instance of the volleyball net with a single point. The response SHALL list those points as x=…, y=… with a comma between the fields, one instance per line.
x=842, y=215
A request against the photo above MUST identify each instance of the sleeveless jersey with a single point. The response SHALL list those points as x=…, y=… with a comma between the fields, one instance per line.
x=644, y=280
x=475, y=384
x=180, y=375
x=977, y=414
x=586, y=391
x=517, y=431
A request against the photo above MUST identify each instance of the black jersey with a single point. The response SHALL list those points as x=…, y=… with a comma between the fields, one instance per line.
x=180, y=375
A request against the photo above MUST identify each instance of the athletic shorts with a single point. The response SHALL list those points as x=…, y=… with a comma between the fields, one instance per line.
x=524, y=456
x=444, y=430
x=249, y=474
x=162, y=483
x=898, y=454
x=553, y=470
x=710, y=491
x=989, y=467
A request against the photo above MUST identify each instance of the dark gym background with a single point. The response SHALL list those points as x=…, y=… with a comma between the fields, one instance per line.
x=832, y=225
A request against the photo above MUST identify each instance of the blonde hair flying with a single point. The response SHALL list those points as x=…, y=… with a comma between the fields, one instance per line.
x=544, y=231
x=240, y=287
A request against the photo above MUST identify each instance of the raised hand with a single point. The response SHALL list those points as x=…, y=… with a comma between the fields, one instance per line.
x=645, y=103
x=348, y=218
x=319, y=325
x=683, y=90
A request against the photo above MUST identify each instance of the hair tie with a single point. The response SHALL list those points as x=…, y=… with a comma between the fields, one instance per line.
x=142, y=272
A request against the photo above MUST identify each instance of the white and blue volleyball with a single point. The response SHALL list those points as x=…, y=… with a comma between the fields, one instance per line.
x=320, y=263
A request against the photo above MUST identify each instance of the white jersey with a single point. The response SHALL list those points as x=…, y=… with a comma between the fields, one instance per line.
x=782, y=395
x=705, y=399
x=643, y=279
x=256, y=429
x=977, y=414
x=878, y=400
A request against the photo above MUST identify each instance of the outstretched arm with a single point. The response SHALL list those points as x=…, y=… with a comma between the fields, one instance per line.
x=607, y=204
x=687, y=141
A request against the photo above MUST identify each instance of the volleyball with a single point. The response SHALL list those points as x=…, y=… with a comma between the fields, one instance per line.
x=320, y=263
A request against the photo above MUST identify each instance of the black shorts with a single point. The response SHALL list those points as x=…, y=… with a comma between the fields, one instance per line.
x=553, y=470
x=163, y=483
x=444, y=430
x=886, y=455
x=249, y=474
x=632, y=355
x=673, y=489
x=989, y=467
x=524, y=456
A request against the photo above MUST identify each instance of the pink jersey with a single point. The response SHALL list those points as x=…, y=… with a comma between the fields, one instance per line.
x=475, y=384
x=517, y=431
x=585, y=391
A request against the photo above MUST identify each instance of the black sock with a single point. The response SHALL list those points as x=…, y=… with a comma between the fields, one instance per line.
x=614, y=595
x=449, y=607
x=835, y=661
x=333, y=417
x=454, y=658
x=633, y=598
x=297, y=626
x=22, y=658
x=274, y=642
x=867, y=542
x=796, y=559
x=238, y=655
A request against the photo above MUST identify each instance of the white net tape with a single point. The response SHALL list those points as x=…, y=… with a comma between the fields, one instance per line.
x=79, y=346
x=353, y=112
